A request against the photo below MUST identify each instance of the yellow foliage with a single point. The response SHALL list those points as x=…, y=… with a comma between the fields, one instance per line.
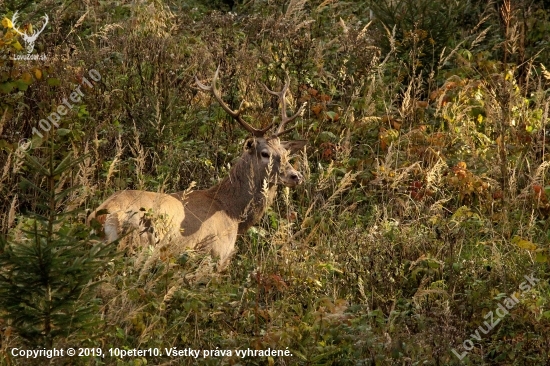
x=463, y=213
x=27, y=78
x=17, y=45
x=524, y=244
x=9, y=36
x=6, y=23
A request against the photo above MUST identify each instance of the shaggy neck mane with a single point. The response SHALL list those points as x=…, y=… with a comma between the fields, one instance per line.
x=241, y=193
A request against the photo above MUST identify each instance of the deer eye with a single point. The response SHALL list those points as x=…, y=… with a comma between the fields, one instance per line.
x=265, y=154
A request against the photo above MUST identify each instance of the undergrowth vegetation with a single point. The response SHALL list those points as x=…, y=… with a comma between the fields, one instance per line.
x=426, y=195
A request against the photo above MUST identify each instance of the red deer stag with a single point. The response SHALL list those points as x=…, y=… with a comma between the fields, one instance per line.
x=211, y=219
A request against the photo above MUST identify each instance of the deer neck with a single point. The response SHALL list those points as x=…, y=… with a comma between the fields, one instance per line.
x=244, y=194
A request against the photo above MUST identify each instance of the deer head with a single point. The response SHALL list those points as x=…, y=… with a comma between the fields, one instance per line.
x=266, y=154
x=29, y=38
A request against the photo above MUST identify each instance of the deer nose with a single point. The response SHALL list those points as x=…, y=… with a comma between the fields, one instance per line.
x=296, y=177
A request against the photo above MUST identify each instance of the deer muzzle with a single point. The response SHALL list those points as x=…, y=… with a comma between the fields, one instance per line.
x=292, y=178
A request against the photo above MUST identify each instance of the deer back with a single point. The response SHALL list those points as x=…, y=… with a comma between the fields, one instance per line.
x=135, y=210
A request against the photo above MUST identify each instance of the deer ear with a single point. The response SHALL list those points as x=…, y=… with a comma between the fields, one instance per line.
x=250, y=144
x=294, y=146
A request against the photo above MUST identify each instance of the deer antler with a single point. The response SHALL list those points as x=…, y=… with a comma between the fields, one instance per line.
x=284, y=117
x=235, y=114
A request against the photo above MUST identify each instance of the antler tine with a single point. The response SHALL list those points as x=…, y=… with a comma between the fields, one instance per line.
x=284, y=118
x=46, y=19
x=13, y=21
x=235, y=114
